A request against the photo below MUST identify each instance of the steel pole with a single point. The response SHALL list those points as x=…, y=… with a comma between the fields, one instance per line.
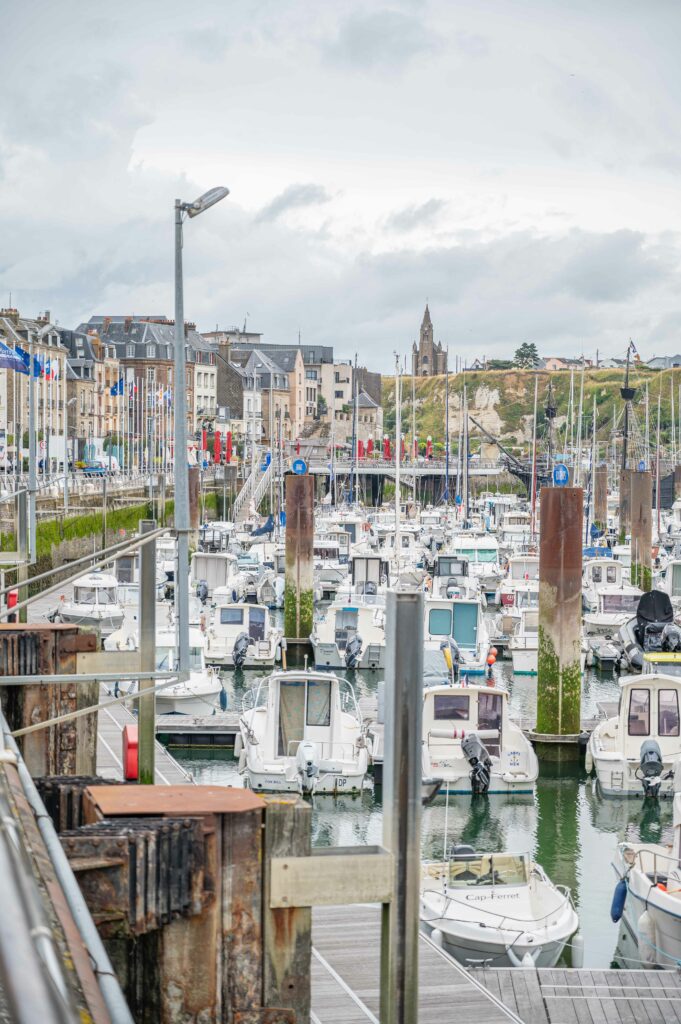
x=147, y=704
x=402, y=806
x=181, y=474
x=32, y=483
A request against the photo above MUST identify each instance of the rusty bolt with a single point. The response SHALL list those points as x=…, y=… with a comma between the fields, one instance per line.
x=285, y=867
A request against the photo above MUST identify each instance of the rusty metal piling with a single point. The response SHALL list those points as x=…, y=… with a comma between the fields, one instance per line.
x=601, y=497
x=298, y=601
x=560, y=622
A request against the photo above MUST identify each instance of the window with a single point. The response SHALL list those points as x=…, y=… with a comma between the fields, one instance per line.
x=130, y=351
x=338, y=394
x=639, y=713
x=151, y=374
x=231, y=616
x=596, y=573
x=311, y=374
x=611, y=574
x=668, y=713
x=453, y=707
x=318, y=703
x=151, y=351
x=439, y=621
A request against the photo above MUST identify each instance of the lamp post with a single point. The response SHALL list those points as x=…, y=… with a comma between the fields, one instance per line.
x=182, y=524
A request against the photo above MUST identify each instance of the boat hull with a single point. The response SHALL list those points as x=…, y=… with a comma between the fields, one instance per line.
x=469, y=954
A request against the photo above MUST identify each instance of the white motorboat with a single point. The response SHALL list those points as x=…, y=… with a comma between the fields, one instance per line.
x=648, y=896
x=350, y=634
x=496, y=909
x=302, y=733
x=198, y=695
x=501, y=761
x=638, y=751
x=95, y=603
x=212, y=569
x=524, y=643
x=615, y=606
x=459, y=626
x=451, y=578
x=521, y=570
x=242, y=635
x=482, y=551
x=670, y=582
x=598, y=573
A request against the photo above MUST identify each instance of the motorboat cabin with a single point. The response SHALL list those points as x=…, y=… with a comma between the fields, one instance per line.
x=450, y=715
x=216, y=569
x=302, y=733
x=521, y=569
x=242, y=635
x=452, y=578
x=638, y=751
x=350, y=634
x=454, y=629
x=95, y=603
x=599, y=573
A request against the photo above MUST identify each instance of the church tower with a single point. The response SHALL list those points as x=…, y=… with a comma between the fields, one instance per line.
x=428, y=358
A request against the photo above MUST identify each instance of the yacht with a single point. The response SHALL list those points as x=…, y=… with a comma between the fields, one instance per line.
x=465, y=905
x=649, y=897
x=95, y=602
x=301, y=732
x=498, y=759
x=199, y=694
x=242, y=635
x=212, y=569
x=638, y=751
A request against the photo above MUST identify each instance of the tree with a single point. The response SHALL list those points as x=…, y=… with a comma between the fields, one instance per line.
x=526, y=357
x=499, y=364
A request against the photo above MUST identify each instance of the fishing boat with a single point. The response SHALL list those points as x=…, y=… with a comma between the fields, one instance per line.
x=482, y=551
x=470, y=742
x=301, y=732
x=638, y=751
x=458, y=626
x=95, y=602
x=648, y=896
x=496, y=909
x=241, y=635
x=350, y=634
x=524, y=643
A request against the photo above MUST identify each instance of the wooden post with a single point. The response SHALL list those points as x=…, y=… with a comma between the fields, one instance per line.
x=625, y=504
x=641, y=529
x=287, y=939
x=601, y=497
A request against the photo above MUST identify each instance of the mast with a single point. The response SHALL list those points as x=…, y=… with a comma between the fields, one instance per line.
x=578, y=467
x=447, y=431
x=671, y=389
x=533, y=489
x=465, y=455
x=353, y=476
x=398, y=456
x=627, y=394
x=647, y=436
x=657, y=465
x=591, y=497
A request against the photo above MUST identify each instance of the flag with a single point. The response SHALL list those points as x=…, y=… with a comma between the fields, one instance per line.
x=217, y=446
x=118, y=388
x=228, y=447
x=11, y=360
x=429, y=447
x=26, y=359
x=370, y=446
x=386, y=448
x=360, y=449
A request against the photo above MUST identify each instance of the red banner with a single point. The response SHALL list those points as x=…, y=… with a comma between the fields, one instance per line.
x=228, y=447
x=204, y=443
x=217, y=446
x=360, y=449
x=370, y=446
x=429, y=448
x=386, y=448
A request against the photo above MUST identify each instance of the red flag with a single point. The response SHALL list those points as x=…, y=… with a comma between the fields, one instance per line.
x=298, y=446
x=217, y=446
x=204, y=443
x=429, y=447
x=416, y=447
x=386, y=448
x=370, y=446
x=228, y=446
x=360, y=449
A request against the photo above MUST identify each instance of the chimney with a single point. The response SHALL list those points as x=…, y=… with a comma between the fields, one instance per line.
x=106, y=324
x=128, y=324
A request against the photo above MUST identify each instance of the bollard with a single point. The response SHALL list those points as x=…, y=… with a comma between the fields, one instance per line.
x=601, y=497
x=559, y=679
x=641, y=529
x=402, y=806
x=625, y=504
x=298, y=600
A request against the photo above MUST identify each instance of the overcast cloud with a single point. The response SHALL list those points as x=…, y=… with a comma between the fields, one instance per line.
x=516, y=164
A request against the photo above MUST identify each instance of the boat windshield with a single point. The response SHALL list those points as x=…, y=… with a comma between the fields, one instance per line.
x=167, y=660
x=93, y=595
x=488, y=869
x=479, y=554
x=614, y=604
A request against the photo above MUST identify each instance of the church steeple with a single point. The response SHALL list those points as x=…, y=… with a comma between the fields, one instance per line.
x=426, y=322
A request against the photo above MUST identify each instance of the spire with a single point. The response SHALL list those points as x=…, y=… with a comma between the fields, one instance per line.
x=426, y=318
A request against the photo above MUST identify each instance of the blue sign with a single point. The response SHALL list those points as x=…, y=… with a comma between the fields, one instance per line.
x=642, y=466
x=299, y=467
x=560, y=475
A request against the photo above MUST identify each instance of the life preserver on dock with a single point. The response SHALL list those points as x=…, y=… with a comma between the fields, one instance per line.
x=130, y=753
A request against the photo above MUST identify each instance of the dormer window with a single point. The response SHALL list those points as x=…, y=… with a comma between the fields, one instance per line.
x=152, y=352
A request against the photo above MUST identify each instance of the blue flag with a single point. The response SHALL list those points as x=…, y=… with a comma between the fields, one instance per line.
x=118, y=389
x=11, y=360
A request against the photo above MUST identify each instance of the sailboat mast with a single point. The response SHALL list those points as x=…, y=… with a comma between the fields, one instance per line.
x=465, y=454
x=447, y=431
x=353, y=477
x=398, y=457
x=578, y=466
x=625, y=438
x=533, y=489
x=657, y=465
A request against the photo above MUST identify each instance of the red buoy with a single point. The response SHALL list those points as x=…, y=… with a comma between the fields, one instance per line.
x=130, y=753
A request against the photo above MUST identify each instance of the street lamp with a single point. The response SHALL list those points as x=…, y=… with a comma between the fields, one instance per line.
x=182, y=525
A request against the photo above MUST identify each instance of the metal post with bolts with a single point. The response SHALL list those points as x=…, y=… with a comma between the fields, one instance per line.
x=402, y=806
x=22, y=549
x=147, y=704
x=180, y=460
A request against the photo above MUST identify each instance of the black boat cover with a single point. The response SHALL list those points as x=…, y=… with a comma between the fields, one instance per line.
x=654, y=606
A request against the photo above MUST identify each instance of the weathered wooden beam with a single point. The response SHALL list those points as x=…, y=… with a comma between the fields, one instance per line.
x=334, y=877
x=287, y=935
x=242, y=906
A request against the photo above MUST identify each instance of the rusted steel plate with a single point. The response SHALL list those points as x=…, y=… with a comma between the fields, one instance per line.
x=171, y=801
x=267, y=1015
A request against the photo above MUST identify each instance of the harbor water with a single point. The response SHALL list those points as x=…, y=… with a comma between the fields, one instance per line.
x=567, y=826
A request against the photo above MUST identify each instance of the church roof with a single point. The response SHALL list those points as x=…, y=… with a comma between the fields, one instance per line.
x=426, y=318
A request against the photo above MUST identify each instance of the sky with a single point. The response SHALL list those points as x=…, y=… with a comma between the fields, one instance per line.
x=515, y=164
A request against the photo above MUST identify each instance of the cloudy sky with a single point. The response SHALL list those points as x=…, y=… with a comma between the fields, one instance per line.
x=515, y=163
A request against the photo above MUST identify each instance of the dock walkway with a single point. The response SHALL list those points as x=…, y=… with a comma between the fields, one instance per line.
x=110, y=724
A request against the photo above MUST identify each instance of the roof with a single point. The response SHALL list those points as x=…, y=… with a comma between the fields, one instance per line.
x=364, y=401
x=311, y=353
x=426, y=322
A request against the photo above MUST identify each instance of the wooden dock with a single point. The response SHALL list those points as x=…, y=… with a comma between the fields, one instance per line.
x=346, y=975
x=110, y=724
x=587, y=997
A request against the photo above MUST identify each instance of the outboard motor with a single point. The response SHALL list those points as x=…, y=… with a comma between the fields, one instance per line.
x=306, y=763
x=671, y=637
x=202, y=591
x=240, y=649
x=452, y=656
x=650, y=768
x=353, y=651
x=475, y=752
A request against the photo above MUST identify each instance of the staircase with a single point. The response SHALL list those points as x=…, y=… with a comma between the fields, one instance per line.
x=254, y=489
